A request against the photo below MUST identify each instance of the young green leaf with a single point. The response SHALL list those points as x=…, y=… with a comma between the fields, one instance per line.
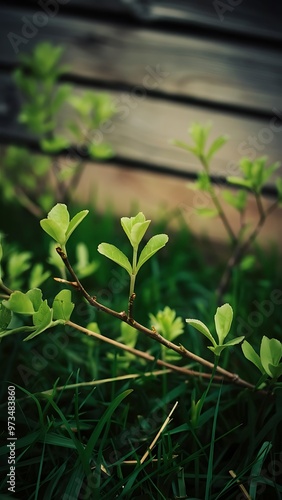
x=154, y=244
x=35, y=295
x=239, y=181
x=102, y=151
x=270, y=354
x=207, y=212
x=167, y=324
x=219, y=348
x=37, y=275
x=59, y=214
x=20, y=303
x=57, y=223
x=138, y=231
x=216, y=145
x=54, y=230
x=54, y=145
x=75, y=221
x=5, y=317
x=62, y=305
x=43, y=316
x=199, y=134
x=252, y=356
x=237, y=200
x=186, y=147
x=116, y=255
x=201, y=327
x=128, y=224
x=223, y=319
x=42, y=320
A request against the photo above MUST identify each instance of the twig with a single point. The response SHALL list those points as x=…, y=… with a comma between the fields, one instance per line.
x=218, y=206
x=241, y=248
x=158, y=434
x=232, y=377
x=28, y=203
x=141, y=354
x=242, y=488
x=5, y=289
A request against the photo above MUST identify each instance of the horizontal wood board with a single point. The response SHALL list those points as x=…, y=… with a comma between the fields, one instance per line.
x=197, y=67
x=143, y=129
x=240, y=17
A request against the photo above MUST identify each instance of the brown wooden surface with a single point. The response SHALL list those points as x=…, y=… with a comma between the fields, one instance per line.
x=197, y=66
x=198, y=76
x=143, y=128
x=240, y=17
x=126, y=191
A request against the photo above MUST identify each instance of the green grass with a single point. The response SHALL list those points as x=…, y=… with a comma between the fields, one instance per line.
x=85, y=438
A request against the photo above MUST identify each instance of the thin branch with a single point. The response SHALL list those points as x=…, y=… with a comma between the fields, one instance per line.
x=232, y=377
x=167, y=420
x=218, y=206
x=28, y=203
x=141, y=354
x=241, y=248
x=5, y=289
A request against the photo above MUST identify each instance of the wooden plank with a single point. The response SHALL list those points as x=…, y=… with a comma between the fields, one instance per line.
x=192, y=66
x=159, y=196
x=143, y=128
x=249, y=18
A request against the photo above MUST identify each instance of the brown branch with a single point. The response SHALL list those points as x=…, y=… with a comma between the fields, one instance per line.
x=241, y=248
x=232, y=377
x=5, y=289
x=28, y=203
x=141, y=354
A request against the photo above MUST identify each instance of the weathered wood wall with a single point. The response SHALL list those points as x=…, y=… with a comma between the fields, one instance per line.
x=166, y=65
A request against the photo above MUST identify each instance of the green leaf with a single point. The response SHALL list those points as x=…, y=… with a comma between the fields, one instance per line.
x=186, y=147
x=247, y=263
x=19, y=303
x=38, y=276
x=252, y=356
x=42, y=320
x=54, y=230
x=116, y=255
x=240, y=182
x=59, y=214
x=54, y=145
x=223, y=319
x=101, y=151
x=207, y=212
x=201, y=327
x=154, y=244
x=237, y=200
x=138, y=231
x=270, y=354
x=18, y=264
x=167, y=324
x=216, y=145
x=35, y=295
x=219, y=348
x=62, y=305
x=199, y=134
x=57, y=223
x=75, y=221
x=5, y=317
x=43, y=316
x=128, y=223
x=256, y=468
